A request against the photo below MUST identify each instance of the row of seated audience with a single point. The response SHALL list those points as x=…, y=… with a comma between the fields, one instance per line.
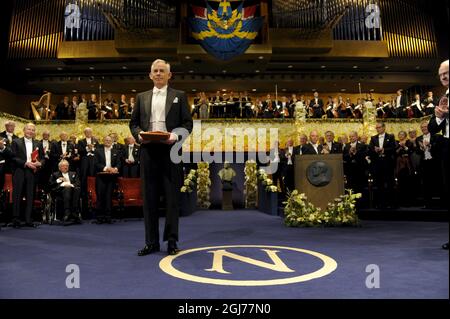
x=241, y=105
x=410, y=162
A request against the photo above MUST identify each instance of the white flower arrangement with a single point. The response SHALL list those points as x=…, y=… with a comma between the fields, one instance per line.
x=203, y=185
x=250, y=184
x=299, y=212
x=189, y=182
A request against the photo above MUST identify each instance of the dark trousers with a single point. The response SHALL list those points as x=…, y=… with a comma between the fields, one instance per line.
x=104, y=188
x=71, y=198
x=445, y=177
x=428, y=177
x=130, y=170
x=87, y=169
x=289, y=178
x=158, y=173
x=24, y=181
x=384, y=181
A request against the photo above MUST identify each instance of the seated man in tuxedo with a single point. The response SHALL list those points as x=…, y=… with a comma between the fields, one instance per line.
x=66, y=184
x=313, y=147
x=131, y=159
x=107, y=165
x=330, y=146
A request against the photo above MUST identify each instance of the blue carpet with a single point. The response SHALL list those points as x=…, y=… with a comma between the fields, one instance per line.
x=411, y=262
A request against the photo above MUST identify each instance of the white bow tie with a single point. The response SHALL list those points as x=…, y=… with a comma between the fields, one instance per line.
x=157, y=91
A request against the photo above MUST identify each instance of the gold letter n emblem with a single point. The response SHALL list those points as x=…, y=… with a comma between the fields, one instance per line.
x=277, y=265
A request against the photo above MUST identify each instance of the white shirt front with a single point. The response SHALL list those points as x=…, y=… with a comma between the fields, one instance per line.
x=108, y=157
x=418, y=104
x=330, y=145
x=316, y=147
x=29, y=148
x=45, y=145
x=66, y=177
x=427, y=139
x=276, y=158
x=64, y=147
x=158, y=116
x=399, y=98
x=9, y=136
x=290, y=151
x=381, y=139
x=130, y=152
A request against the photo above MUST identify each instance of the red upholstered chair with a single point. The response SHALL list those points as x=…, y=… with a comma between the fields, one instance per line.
x=7, y=189
x=92, y=195
x=130, y=192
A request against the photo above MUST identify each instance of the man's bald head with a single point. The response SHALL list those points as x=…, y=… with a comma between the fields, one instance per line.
x=443, y=73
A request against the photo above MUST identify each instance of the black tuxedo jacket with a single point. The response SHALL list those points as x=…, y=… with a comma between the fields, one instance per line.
x=358, y=159
x=177, y=112
x=434, y=128
x=336, y=148
x=435, y=150
x=136, y=152
x=55, y=184
x=82, y=144
x=100, y=160
x=3, y=135
x=389, y=147
x=313, y=102
x=56, y=151
x=308, y=149
x=19, y=151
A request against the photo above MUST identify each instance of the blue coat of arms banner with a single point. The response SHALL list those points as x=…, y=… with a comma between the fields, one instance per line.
x=227, y=30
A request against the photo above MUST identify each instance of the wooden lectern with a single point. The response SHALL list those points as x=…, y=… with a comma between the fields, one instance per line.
x=320, y=177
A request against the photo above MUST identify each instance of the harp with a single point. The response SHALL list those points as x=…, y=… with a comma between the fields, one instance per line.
x=43, y=105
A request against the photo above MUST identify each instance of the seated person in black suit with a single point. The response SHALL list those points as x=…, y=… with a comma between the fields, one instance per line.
x=107, y=165
x=66, y=184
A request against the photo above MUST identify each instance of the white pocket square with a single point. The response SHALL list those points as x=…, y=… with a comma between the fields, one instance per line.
x=175, y=100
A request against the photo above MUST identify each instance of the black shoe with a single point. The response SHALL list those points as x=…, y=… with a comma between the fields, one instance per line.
x=66, y=220
x=172, y=248
x=148, y=249
x=99, y=221
x=32, y=225
x=15, y=224
x=445, y=246
x=108, y=220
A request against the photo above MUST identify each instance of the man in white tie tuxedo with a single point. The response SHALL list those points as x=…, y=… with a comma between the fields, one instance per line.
x=439, y=123
x=382, y=154
x=61, y=150
x=130, y=167
x=160, y=109
x=25, y=170
x=108, y=163
x=313, y=147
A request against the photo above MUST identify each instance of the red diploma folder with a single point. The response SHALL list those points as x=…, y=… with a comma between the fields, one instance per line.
x=35, y=155
x=156, y=136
